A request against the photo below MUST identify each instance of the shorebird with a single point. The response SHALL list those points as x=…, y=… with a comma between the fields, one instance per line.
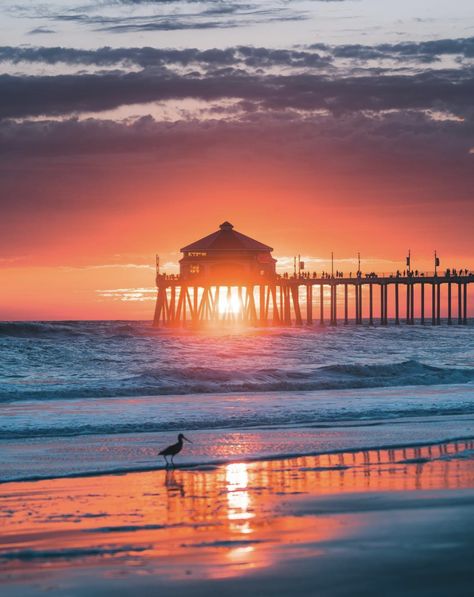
x=174, y=449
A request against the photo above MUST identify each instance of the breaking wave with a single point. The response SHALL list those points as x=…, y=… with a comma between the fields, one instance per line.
x=218, y=380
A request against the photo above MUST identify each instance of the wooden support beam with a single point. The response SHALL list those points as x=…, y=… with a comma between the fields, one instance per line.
x=346, y=304
x=158, y=307
x=331, y=304
x=173, y=305
x=165, y=311
x=287, y=306
x=321, y=304
x=309, y=304
x=281, y=296
x=179, y=308
x=433, y=304
x=275, y=310
x=397, y=304
x=465, y=304
x=357, y=298
x=252, y=307
x=201, y=313
x=438, y=303
x=422, y=303
x=371, y=304
x=450, y=318
x=407, y=314
x=267, y=303
x=382, y=305
x=459, y=303
x=334, y=304
x=296, y=304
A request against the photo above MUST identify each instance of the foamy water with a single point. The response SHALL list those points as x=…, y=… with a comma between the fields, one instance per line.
x=126, y=389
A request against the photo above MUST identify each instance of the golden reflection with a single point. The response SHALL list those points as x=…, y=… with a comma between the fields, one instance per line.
x=213, y=522
x=238, y=498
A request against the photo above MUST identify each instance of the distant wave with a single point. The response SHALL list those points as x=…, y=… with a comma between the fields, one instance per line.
x=210, y=380
x=65, y=329
x=32, y=329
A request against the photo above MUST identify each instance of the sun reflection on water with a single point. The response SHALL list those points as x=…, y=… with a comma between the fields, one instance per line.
x=238, y=496
x=215, y=522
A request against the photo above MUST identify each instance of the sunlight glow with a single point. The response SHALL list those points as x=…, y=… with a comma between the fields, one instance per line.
x=229, y=302
x=238, y=497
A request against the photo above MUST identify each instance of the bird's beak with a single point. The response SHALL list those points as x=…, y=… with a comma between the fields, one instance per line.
x=188, y=440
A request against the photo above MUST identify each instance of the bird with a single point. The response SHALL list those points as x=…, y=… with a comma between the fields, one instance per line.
x=174, y=449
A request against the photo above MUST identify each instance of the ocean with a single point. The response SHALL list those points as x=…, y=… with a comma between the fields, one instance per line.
x=106, y=396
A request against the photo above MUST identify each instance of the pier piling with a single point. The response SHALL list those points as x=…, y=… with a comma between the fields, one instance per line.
x=279, y=301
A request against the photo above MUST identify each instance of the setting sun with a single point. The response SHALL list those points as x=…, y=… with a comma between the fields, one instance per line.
x=229, y=303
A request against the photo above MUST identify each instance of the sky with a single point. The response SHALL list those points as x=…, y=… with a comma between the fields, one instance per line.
x=130, y=128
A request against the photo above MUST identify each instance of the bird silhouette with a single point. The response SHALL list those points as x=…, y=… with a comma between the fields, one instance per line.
x=174, y=449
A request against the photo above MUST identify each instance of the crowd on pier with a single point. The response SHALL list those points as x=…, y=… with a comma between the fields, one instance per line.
x=307, y=275
x=448, y=273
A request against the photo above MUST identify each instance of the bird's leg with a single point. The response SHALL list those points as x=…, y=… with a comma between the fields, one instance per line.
x=166, y=460
x=172, y=461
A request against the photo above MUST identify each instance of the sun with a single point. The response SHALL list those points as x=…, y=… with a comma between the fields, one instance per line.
x=229, y=303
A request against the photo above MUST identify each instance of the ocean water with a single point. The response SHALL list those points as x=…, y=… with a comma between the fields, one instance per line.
x=86, y=397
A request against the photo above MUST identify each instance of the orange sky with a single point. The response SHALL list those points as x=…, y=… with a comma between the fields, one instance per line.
x=71, y=262
x=133, y=128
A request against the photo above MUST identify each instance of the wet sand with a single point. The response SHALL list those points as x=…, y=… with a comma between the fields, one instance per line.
x=373, y=522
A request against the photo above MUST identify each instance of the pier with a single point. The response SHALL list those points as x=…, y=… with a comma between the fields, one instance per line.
x=298, y=301
x=230, y=278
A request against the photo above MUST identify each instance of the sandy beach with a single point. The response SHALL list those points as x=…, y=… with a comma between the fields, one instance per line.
x=362, y=522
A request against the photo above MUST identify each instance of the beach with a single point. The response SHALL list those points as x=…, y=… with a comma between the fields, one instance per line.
x=357, y=522
x=324, y=462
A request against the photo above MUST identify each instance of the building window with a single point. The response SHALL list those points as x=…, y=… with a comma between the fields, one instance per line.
x=197, y=254
x=194, y=269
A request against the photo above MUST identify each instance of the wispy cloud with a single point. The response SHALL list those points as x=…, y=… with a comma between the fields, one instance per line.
x=165, y=15
x=128, y=294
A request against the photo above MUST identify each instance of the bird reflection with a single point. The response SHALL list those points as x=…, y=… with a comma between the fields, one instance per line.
x=173, y=486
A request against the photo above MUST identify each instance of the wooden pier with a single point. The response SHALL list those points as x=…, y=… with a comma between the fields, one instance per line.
x=228, y=277
x=300, y=300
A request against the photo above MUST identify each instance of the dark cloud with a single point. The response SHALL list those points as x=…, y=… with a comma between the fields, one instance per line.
x=402, y=134
x=316, y=55
x=41, y=31
x=146, y=57
x=23, y=96
x=425, y=51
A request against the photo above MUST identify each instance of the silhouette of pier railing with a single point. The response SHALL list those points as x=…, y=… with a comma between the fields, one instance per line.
x=309, y=299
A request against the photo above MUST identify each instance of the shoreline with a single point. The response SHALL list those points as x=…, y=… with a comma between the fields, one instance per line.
x=213, y=464
x=50, y=457
x=330, y=523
